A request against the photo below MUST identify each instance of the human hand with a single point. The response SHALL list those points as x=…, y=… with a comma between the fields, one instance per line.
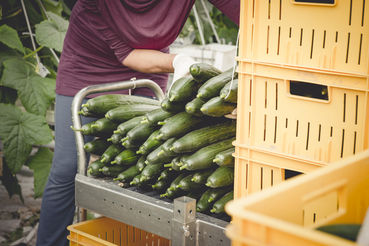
x=181, y=64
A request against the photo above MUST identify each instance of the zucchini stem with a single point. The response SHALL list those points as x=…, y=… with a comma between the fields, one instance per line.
x=183, y=167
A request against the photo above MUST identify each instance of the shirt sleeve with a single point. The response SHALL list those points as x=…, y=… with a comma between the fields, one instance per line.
x=231, y=8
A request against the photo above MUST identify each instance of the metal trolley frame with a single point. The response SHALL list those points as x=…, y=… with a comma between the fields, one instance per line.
x=177, y=221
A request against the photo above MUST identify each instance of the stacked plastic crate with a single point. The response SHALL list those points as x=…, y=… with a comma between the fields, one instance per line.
x=303, y=87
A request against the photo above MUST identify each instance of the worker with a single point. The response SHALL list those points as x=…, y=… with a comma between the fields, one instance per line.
x=109, y=41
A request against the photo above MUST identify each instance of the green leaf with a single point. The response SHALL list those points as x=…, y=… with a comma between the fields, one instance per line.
x=16, y=150
x=35, y=92
x=9, y=37
x=10, y=182
x=53, y=6
x=30, y=128
x=40, y=163
x=51, y=33
x=6, y=54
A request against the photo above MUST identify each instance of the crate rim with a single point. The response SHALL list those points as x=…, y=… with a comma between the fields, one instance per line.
x=72, y=228
x=282, y=187
x=302, y=68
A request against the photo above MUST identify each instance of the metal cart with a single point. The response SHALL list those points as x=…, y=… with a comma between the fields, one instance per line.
x=177, y=221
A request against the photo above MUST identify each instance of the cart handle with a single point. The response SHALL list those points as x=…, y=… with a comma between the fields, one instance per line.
x=114, y=86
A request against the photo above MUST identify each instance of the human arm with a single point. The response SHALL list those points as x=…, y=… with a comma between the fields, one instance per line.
x=149, y=61
x=153, y=61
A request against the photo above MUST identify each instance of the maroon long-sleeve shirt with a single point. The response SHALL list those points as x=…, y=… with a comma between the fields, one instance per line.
x=102, y=33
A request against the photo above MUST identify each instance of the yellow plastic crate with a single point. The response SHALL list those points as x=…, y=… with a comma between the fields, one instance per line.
x=332, y=35
x=273, y=117
x=287, y=214
x=279, y=129
x=109, y=232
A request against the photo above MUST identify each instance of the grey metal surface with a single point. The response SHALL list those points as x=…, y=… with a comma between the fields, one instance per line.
x=211, y=231
x=145, y=212
x=115, y=86
x=130, y=207
x=184, y=222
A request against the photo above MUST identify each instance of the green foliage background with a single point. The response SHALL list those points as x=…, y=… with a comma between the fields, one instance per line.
x=25, y=95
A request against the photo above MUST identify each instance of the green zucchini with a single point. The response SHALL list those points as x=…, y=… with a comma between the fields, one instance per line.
x=164, y=157
x=166, y=148
x=202, y=72
x=115, y=138
x=141, y=163
x=112, y=171
x=178, y=125
x=209, y=196
x=96, y=146
x=173, y=107
x=127, y=112
x=216, y=107
x=110, y=153
x=128, y=144
x=225, y=158
x=102, y=104
x=127, y=157
x=94, y=168
x=229, y=92
x=203, y=203
x=84, y=112
x=194, y=106
x=126, y=126
x=222, y=176
x=212, y=87
x=175, y=182
x=218, y=206
x=140, y=133
x=166, y=174
x=151, y=172
x=154, y=116
x=183, y=89
x=171, y=194
x=174, y=164
x=150, y=144
x=104, y=126
x=200, y=177
x=216, y=193
x=205, y=136
x=347, y=231
x=187, y=184
x=172, y=191
x=88, y=130
x=160, y=185
x=203, y=158
x=128, y=175
x=137, y=181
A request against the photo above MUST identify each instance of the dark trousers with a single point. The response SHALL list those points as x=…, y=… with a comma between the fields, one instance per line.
x=58, y=207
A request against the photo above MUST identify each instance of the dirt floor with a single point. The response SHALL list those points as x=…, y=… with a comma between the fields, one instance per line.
x=19, y=221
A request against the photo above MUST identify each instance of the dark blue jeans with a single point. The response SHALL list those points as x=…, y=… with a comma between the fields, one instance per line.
x=58, y=207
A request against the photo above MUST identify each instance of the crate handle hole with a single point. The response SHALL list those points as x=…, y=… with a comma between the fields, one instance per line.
x=330, y=2
x=309, y=90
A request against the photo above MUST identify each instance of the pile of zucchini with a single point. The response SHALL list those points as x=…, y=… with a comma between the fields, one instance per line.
x=179, y=146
